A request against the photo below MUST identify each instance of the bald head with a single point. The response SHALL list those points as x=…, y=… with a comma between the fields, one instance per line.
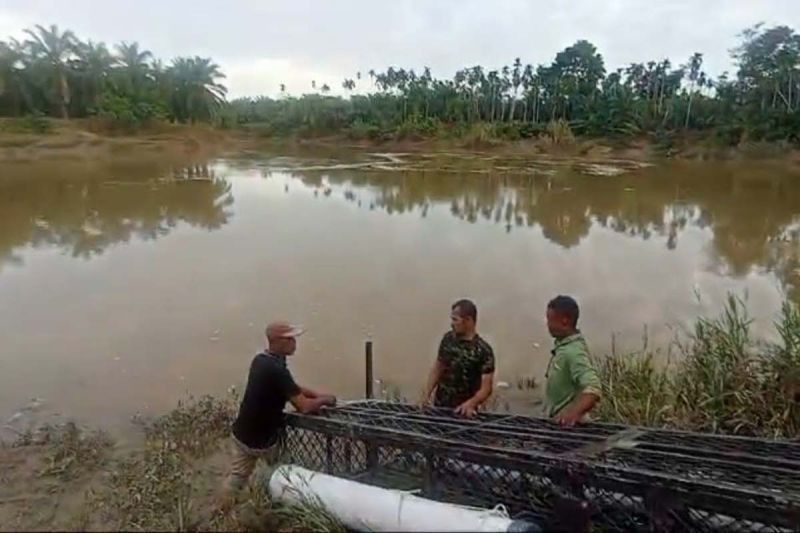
x=281, y=336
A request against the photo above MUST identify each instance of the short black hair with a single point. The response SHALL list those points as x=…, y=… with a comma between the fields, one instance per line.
x=567, y=306
x=466, y=308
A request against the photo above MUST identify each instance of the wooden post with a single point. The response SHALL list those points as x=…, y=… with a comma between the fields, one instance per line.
x=368, y=363
x=372, y=451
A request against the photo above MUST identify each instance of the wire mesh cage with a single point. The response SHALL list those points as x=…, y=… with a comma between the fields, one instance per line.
x=593, y=477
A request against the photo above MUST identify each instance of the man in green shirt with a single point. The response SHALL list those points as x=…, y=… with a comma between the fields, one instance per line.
x=573, y=385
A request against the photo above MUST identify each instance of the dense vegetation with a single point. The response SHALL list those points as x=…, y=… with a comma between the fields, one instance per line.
x=759, y=103
x=724, y=380
x=54, y=73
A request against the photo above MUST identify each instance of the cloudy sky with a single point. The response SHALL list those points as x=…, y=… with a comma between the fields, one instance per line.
x=263, y=43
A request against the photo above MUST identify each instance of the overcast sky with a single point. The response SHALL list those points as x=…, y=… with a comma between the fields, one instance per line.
x=262, y=43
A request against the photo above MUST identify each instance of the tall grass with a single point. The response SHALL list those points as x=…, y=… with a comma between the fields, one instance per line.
x=559, y=132
x=724, y=380
x=636, y=391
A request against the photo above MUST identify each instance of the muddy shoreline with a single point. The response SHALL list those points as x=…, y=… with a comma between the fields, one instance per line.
x=78, y=140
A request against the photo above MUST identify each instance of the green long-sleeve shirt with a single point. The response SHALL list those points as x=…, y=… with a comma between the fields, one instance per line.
x=569, y=373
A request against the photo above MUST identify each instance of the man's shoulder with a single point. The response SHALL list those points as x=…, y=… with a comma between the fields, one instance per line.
x=448, y=337
x=263, y=362
x=482, y=344
x=575, y=347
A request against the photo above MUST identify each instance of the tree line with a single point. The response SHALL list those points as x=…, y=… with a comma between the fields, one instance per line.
x=759, y=102
x=52, y=72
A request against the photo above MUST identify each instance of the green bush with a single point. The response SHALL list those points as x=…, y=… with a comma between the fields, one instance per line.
x=360, y=130
x=33, y=123
x=509, y=131
x=128, y=113
x=418, y=128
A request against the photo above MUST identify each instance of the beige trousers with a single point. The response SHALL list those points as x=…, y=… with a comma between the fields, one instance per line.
x=244, y=462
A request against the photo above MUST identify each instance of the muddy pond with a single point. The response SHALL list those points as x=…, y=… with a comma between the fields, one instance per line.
x=126, y=285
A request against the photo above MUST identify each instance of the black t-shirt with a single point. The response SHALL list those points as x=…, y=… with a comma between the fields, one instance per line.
x=269, y=387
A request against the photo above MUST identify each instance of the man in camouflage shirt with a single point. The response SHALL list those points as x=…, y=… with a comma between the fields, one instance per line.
x=462, y=376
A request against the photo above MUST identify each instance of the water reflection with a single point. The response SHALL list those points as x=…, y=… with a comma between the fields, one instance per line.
x=751, y=211
x=84, y=209
x=354, y=252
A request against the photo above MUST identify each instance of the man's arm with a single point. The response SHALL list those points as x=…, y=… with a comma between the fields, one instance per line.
x=585, y=376
x=306, y=405
x=311, y=393
x=470, y=407
x=433, y=379
x=575, y=411
x=297, y=396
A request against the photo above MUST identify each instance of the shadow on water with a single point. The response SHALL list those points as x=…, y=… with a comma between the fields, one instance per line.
x=82, y=210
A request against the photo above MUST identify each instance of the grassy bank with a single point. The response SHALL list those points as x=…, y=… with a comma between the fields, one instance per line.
x=67, y=477
x=720, y=379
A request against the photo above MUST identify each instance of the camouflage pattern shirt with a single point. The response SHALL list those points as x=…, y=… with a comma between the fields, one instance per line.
x=465, y=362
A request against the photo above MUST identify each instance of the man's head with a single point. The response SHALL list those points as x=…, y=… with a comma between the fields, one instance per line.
x=562, y=316
x=282, y=337
x=463, y=317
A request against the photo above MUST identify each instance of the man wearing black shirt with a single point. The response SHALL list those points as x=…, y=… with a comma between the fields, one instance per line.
x=258, y=430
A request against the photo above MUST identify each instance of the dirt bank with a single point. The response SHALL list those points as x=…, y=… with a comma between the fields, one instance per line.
x=61, y=475
x=76, y=140
x=688, y=148
x=85, y=140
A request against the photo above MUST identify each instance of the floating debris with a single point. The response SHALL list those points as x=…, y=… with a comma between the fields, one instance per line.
x=596, y=169
x=91, y=230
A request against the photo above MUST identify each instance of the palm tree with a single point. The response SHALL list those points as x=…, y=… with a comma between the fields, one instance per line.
x=94, y=62
x=12, y=82
x=516, y=81
x=54, y=48
x=133, y=63
x=196, y=94
x=697, y=79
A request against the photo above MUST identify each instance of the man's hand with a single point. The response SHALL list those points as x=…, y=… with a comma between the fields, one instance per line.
x=329, y=400
x=568, y=417
x=574, y=413
x=468, y=409
x=425, y=400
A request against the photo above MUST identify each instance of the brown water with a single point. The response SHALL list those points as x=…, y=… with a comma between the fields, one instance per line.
x=123, y=286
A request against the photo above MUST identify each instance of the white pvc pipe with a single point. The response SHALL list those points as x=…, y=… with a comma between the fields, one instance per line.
x=369, y=508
